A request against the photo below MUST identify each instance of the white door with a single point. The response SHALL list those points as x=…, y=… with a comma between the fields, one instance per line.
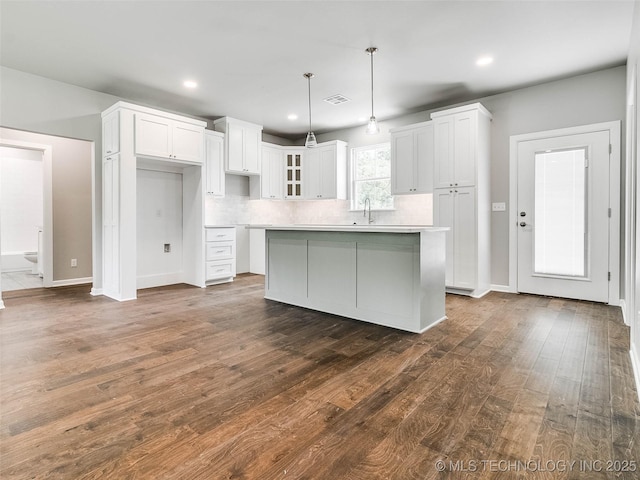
x=563, y=216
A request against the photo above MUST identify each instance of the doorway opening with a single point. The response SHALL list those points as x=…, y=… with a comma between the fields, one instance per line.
x=25, y=216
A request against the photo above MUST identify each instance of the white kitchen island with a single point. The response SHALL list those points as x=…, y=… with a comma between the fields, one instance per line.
x=388, y=275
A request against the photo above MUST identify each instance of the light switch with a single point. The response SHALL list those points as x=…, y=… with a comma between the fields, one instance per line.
x=499, y=207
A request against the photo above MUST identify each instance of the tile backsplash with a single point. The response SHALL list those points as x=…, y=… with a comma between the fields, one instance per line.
x=241, y=210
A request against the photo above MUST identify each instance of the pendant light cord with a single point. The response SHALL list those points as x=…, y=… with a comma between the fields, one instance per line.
x=309, y=84
x=371, y=53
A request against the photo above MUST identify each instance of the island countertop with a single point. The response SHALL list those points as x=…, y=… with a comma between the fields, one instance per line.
x=373, y=228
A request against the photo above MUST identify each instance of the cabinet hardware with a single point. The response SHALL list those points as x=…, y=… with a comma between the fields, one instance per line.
x=108, y=151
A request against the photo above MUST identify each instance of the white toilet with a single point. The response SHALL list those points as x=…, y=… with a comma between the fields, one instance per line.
x=33, y=258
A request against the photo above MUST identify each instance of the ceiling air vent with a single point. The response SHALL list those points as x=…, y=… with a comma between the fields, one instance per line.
x=337, y=99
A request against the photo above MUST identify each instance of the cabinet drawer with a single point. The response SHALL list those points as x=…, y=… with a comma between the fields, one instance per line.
x=219, y=250
x=220, y=270
x=220, y=234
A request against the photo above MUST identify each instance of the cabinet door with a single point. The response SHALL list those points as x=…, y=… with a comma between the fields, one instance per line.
x=311, y=169
x=443, y=152
x=214, y=165
x=293, y=170
x=443, y=216
x=424, y=159
x=272, y=176
x=327, y=172
x=252, y=140
x=402, y=163
x=110, y=223
x=153, y=136
x=187, y=142
x=465, y=145
x=111, y=134
x=465, y=259
x=235, y=149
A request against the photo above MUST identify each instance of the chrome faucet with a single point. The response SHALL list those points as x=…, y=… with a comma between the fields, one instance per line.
x=364, y=212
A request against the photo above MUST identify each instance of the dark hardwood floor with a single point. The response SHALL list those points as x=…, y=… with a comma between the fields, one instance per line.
x=189, y=383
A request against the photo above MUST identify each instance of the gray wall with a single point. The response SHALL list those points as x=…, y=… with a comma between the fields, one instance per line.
x=41, y=105
x=581, y=100
x=38, y=104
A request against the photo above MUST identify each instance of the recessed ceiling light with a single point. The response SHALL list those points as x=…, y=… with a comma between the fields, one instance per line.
x=484, y=61
x=190, y=84
x=292, y=116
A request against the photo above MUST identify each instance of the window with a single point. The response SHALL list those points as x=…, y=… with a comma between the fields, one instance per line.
x=371, y=177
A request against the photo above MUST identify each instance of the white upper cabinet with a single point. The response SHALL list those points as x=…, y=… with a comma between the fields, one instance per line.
x=412, y=157
x=111, y=134
x=457, y=142
x=272, y=177
x=243, y=142
x=324, y=171
x=214, y=163
x=293, y=159
x=156, y=136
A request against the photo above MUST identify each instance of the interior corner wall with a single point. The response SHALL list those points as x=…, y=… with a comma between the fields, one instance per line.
x=36, y=104
x=581, y=100
x=632, y=296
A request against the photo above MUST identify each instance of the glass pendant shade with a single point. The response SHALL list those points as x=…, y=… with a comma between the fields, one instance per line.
x=372, y=126
x=311, y=140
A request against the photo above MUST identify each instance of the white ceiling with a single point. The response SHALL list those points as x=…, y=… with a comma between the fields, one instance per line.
x=248, y=57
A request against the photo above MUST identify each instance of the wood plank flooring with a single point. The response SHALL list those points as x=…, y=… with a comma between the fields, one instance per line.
x=218, y=383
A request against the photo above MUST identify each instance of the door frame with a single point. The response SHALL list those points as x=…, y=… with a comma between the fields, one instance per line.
x=614, y=198
x=47, y=183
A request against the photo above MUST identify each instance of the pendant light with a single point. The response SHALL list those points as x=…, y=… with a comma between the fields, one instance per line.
x=372, y=126
x=311, y=137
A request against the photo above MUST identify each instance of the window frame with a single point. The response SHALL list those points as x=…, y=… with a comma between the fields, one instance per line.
x=353, y=181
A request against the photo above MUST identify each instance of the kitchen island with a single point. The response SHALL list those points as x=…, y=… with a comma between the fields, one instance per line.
x=389, y=275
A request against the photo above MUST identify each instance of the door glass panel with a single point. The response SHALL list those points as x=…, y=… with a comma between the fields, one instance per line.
x=560, y=213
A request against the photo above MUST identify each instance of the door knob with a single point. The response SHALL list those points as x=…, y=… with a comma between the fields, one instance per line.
x=523, y=224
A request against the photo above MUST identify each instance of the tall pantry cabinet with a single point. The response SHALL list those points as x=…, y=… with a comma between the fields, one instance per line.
x=140, y=138
x=461, y=199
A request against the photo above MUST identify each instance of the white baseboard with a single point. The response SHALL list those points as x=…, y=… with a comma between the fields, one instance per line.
x=1, y=304
x=96, y=292
x=623, y=307
x=501, y=288
x=71, y=281
x=635, y=364
x=159, y=280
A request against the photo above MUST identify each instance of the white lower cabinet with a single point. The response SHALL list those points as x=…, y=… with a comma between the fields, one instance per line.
x=456, y=208
x=220, y=254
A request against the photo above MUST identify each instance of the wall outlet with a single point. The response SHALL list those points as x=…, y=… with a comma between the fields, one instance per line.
x=499, y=207
x=74, y=262
x=167, y=248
